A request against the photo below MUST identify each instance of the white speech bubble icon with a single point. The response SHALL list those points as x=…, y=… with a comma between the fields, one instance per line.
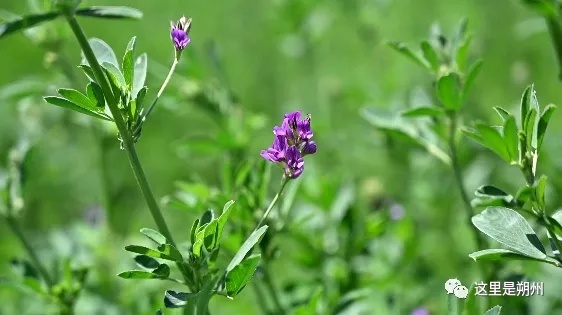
x=451, y=284
x=461, y=292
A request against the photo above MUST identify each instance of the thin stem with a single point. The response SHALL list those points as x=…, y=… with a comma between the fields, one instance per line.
x=122, y=127
x=124, y=132
x=268, y=281
x=153, y=104
x=284, y=182
x=14, y=226
x=460, y=179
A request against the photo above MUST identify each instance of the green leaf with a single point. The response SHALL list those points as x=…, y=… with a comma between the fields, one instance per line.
x=511, y=139
x=461, y=56
x=102, y=51
x=505, y=254
x=170, y=251
x=494, y=310
x=510, y=229
x=128, y=65
x=490, y=138
x=139, y=274
x=26, y=22
x=210, y=236
x=237, y=278
x=252, y=240
x=140, y=68
x=488, y=195
x=110, y=12
x=530, y=131
x=155, y=236
x=448, y=91
x=471, y=305
x=116, y=74
x=226, y=210
x=173, y=299
x=540, y=190
x=430, y=55
x=423, y=111
x=403, y=49
x=504, y=114
x=194, y=230
x=62, y=102
x=88, y=72
x=78, y=98
x=146, y=262
x=523, y=195
x=150, y=252
x=95, y=94
x=471, y=76
x=206, y=218
x=163, y=271
x=397, y=126
x=543, y=123
x=525, y=104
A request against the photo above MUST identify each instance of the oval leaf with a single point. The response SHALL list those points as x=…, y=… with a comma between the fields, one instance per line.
x=448, y=91
x=141, y=64
x=59, y=101
x=509, y=228
x=146, y=262
x=102, y=51
x=155, y=236
x=77, y=98
x=237, y=278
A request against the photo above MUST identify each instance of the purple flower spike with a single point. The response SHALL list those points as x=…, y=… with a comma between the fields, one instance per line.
x=293, y=140
x=180, y=33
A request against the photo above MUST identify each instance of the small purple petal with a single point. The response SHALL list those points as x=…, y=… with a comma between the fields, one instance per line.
x=420, y=311
x=309, y=147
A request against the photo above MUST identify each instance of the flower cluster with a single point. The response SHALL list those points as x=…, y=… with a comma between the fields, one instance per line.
x=180, y=33
x=293, y=140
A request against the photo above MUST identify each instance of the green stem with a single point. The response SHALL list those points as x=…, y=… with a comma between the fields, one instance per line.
x=16, y=229
x=153, y=104
x=284, y=182
x=452, y=304
x=124, y=132
x=459, y=179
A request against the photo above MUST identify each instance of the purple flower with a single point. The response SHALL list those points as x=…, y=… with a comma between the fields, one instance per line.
x=180, y=32
x=420, y=311
x=295, y=163
x=276, y=153
x=293, y=140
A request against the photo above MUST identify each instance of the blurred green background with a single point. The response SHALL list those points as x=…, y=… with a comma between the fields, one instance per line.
x=327, y=58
